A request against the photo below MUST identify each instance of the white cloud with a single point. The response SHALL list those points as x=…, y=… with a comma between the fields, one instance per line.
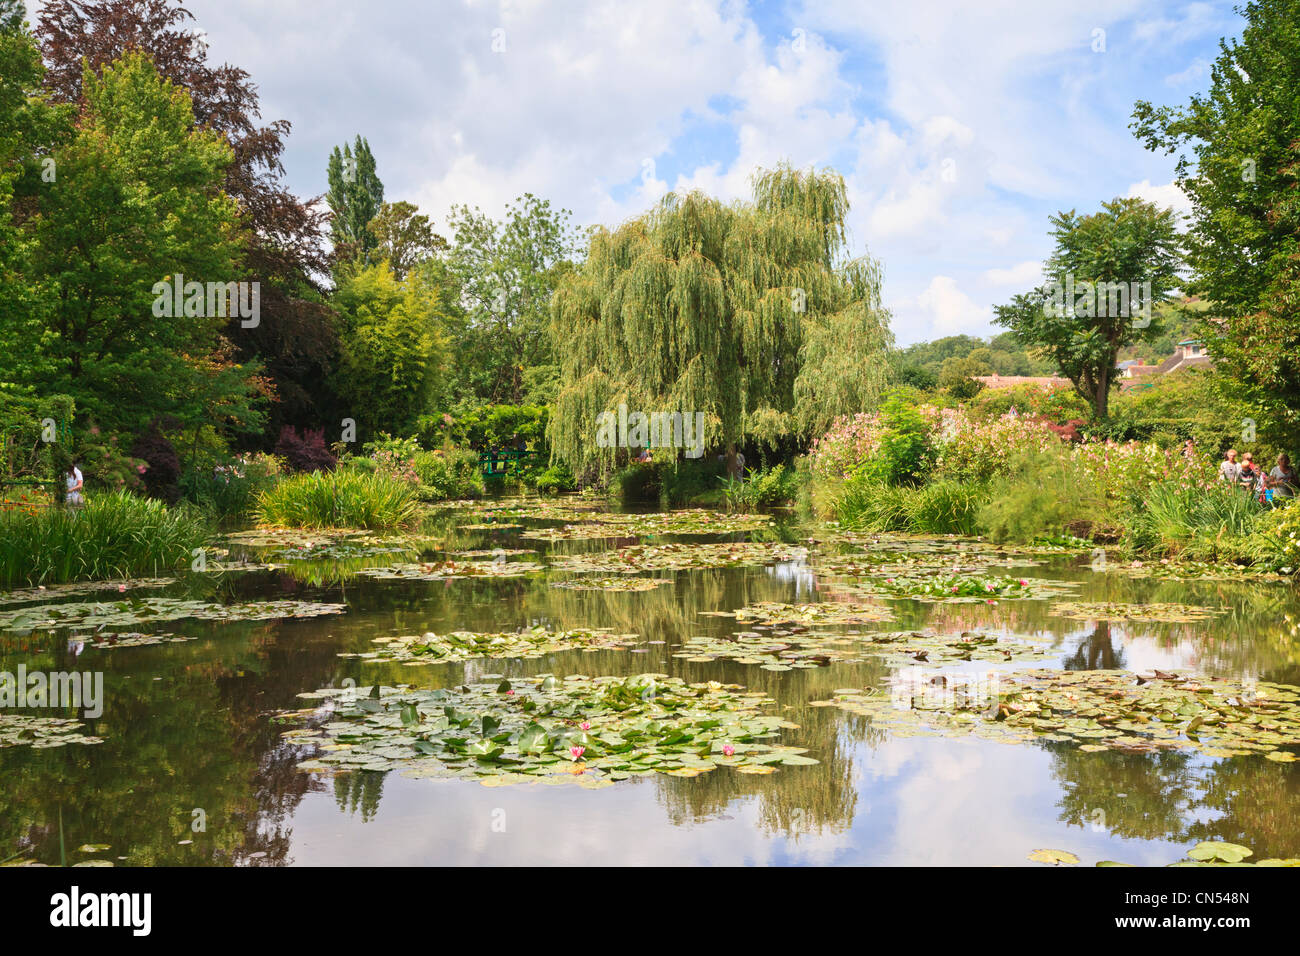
x=949, y=310
x=1022, y=274
x=1168, y=195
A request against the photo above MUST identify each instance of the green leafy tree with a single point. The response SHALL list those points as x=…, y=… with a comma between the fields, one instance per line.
x=393, y=351
x=958, y=375
x=748, y=313
x=1106, y=275
x=506, y=271
x=29, y=126
x=404, y=237
x=1237, y=155
x=355, y=197
x=136, y=201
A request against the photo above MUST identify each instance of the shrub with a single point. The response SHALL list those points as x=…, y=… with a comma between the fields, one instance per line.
x=1060, y=404
x=448, y=475
x=1278, y=538
x=977, y=451
x=231, y=491
x=555, y=479
x=1046, y=494
x=115, y=535
x=306, y=452
x=338, y=499
x=162, y=464
x=904, y=453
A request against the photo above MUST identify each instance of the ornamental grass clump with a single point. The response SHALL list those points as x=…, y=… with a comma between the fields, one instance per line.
x=339, y=499
x=115, y=535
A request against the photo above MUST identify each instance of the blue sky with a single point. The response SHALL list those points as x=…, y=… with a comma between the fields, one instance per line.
x=959, y=127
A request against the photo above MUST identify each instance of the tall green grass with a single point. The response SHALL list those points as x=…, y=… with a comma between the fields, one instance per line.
x=112, y=536
x=339, y=499
x=941, y=507
x=1205, y=524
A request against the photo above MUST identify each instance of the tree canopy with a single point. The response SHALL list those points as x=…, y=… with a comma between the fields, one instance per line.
x=747, y=312
x=1107, y=273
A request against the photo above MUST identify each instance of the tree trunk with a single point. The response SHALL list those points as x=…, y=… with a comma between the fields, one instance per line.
x=1102, y=406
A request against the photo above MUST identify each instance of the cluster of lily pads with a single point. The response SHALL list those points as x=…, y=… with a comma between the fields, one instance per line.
x=584, y=730
x=1205, y=853
x=431, y=648
x=45, y=592
x=1111, y=710
x=889, y=564
x=802, y=616
x=107, y=641
x=678, y=557
x=135, y=611
x=442, y=570
x=611, y=584
x=598, y=524
x=960, y=588
x=1151, y=613
x=39, y=733
x=783, y=650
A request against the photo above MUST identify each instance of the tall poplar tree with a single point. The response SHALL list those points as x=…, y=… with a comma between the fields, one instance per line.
x=355, y=197
x=748, y=312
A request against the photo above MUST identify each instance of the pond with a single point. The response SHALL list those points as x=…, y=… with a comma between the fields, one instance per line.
x=878, y=657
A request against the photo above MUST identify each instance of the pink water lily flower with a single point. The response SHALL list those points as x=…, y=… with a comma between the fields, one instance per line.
x=728, y=750
x=1024, y=583
x=585, y=726
x=121, y=587
x=577, y=752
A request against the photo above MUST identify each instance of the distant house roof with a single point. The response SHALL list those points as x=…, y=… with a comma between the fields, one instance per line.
x=1009, y=381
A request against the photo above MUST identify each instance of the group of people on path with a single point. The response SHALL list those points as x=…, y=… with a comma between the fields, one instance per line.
x=1279, y=483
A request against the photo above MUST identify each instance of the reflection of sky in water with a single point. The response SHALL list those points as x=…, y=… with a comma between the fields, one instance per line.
x=920, y=802
x=799, y=574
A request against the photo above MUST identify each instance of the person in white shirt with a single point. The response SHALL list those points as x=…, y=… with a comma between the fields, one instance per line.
x=1230, y=470
x=72, y=497
x=1282, y=479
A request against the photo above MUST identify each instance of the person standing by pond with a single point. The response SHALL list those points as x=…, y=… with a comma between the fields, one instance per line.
x=1230, y=470
x=1282, y=479
x=74, y=484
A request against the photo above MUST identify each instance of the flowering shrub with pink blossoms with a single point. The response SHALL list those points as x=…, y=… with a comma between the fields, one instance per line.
x=1127, y=470
x=969, y=448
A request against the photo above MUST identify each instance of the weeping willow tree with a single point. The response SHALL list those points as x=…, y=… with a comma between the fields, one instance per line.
x=749, y=313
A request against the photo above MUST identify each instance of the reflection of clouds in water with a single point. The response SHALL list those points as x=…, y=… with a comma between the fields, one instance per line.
x=798, y=573
x=427, y=822
x=997, y=803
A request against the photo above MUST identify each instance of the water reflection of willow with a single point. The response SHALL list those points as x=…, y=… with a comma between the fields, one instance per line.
x=795, y=801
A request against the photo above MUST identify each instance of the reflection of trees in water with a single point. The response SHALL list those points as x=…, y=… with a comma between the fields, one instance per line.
x=1097, y=652
x=359, y=790
x=1145, y=796
x=794, y=801
x=197, y=738
x=1170, y=796
x=1259, y=801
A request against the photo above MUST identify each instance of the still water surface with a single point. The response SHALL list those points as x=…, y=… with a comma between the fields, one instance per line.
x=188, y=726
